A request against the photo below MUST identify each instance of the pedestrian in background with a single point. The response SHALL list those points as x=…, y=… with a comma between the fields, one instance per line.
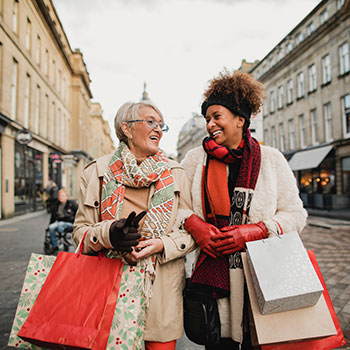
x=52, y=195
x=62, y=216
x=241, y=192
x=139, y=178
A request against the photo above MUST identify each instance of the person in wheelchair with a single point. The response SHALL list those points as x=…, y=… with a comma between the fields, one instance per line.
x=62, y=217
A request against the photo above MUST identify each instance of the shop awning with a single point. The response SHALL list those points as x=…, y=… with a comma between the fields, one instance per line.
x=309, y=159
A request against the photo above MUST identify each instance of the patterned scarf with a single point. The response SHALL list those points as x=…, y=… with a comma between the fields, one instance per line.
x=124, y=171
x=218, y=208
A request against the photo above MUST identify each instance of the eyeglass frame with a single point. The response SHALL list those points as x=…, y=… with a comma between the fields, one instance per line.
x=164, y=127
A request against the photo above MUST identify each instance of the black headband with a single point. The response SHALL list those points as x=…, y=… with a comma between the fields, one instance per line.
x=228, y=101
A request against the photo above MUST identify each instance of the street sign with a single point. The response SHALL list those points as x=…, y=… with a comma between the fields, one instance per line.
x=24, y=136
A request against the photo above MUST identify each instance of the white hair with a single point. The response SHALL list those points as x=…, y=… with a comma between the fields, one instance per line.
x=130, y=111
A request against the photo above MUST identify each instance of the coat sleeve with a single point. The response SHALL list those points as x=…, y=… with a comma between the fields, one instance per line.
x=289, y=212
x=178, y=242
x=87, y=217
x=190, y=162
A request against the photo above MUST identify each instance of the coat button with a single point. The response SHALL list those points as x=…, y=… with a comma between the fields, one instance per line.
x=96, y=204
x=183, y=246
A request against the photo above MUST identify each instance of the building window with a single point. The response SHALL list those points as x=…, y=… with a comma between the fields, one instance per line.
x=345, y=162
x=45, y=115
x=310, y=28
x=38, y=51
x=64, y=89
x=54, y=73
x=46, y=62
x=324, y=16
x=313, y=118
x=265, y=108
x=282, y=138
x=346, y=115
x=14, y=89
x=266, y=137
x=59, y=84
x=57, y=127
x=272, y=102
x=290, y=91
x=344, y=58
x=302, y=131
x=327, y=112
x=291, y=134
x=326, y=69
x=37, y=110
x=300, y=81
x=28, y=34
x=273, y=137
x=63, y=131
x=280, y=96
x=289, y=47
x=340, y=4
x=280, y=54
x=312, y=78
x=300, y=37
x=15, y=16
x=52, y=121
x=26, y=101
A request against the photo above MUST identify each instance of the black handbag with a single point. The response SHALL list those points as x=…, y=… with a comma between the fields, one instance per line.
x=201, y=316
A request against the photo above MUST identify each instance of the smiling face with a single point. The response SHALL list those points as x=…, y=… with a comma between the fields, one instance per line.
x=143, y=141
x=224, y=127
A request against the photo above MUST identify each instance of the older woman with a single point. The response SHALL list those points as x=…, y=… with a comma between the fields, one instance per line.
x=241, y=192
x=139, y=178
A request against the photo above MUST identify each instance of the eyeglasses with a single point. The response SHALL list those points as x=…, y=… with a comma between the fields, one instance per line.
x=153, y=124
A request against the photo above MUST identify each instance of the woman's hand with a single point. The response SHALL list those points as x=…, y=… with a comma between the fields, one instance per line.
x=145, y=249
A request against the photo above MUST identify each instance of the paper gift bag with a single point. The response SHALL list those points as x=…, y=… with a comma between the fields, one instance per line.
x=38, y=268
x=311, y=322
x=282, y=274
x=326, y=343
x=75, y=307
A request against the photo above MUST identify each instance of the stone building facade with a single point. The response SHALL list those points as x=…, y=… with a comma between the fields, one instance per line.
x=307, y=109
x=44, y=93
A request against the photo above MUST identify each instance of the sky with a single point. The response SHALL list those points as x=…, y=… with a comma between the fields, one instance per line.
x=174, y=46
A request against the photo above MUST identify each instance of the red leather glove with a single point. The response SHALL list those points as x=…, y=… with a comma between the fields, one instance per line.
x=233, y=238
x=202, y=232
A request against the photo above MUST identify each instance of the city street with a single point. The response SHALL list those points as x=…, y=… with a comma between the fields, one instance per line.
x=20, y=236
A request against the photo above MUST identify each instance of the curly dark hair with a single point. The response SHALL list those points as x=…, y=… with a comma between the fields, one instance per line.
x=242, y=87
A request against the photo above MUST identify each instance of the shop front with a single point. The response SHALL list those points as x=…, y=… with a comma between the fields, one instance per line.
x=317, y=178
x=28, y=180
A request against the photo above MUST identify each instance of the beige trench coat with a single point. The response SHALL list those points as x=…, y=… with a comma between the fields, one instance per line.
x=164, y=316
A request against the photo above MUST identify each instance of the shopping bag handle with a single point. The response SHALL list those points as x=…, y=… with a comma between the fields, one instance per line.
x=79, y=250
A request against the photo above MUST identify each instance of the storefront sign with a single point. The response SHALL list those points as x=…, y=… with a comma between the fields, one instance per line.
x=55, y=158
x=24, y=136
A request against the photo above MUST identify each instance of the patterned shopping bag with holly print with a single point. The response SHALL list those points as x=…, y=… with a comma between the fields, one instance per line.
x=128, y=322
x=38, y=269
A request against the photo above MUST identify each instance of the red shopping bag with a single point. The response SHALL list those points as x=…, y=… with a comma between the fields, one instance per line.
x=75, y=307
x=326, y=343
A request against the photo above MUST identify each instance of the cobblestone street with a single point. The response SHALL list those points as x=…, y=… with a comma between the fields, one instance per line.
x=329, y=238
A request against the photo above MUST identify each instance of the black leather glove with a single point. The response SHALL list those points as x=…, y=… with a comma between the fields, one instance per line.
x=123, y=233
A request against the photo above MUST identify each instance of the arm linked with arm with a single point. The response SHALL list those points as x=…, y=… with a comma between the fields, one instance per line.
x=178, y=242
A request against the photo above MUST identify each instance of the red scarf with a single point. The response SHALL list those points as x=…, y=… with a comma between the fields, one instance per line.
x=218, y=208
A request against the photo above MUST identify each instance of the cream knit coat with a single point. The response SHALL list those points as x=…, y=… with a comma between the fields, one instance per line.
x=276, y=199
